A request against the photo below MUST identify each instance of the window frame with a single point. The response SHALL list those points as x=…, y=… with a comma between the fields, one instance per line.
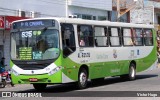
x=119, y=36
x=150, y=37
x=107, y=36
x=85, y=36
x=127, y=36
x=62, y=37
x=142, y=36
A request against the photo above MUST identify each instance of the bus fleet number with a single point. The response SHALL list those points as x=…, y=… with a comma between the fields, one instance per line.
x=27, y=34
x=83, y=55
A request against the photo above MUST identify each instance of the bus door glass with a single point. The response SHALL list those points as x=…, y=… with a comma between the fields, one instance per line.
x=68, y=39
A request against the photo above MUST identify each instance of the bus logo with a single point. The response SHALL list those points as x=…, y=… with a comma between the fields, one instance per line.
x=32, y=72
x=115, y=53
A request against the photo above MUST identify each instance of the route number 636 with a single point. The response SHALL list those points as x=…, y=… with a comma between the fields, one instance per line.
x=26, y=34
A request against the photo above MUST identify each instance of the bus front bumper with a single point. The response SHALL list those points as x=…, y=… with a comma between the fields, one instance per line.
x=41, y=78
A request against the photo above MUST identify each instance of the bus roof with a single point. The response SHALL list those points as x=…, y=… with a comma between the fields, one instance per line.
x=92, y=22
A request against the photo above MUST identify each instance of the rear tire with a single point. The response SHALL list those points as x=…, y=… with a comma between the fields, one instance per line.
x=82, y=79
x=40, y=87
x=132, y=73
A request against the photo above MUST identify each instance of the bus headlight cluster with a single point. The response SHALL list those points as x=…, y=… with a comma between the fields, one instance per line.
x=54, y=70
x=14, y=72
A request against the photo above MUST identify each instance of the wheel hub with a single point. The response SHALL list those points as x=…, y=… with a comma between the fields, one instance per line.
x=83, y=78
x=132, y=72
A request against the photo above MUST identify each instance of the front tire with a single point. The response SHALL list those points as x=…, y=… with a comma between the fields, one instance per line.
x=82, y=79
x=40, y=87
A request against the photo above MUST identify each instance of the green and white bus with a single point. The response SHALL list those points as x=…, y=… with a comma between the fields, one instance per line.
x=64, y=50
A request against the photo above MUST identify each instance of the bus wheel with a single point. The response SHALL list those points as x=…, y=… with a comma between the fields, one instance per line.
x=132, y=72
x=82, y=79
x=39, y=87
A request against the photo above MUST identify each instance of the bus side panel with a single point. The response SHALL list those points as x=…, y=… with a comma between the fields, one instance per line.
x=151, y=58
x=70, y=68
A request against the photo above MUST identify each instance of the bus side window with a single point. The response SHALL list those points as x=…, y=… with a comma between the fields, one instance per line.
x=101, y=36
x=138, y=36
x=85, y=35
x=127, y=37
x=114, y=34
x=68, y=39
x=148, y=37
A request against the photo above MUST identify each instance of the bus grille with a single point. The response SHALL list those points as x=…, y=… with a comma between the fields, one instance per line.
x=33, y=66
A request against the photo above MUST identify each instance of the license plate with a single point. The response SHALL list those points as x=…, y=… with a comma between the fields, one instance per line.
x=33, y=79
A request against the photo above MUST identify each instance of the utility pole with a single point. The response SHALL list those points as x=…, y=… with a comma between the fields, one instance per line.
x=118, y=10
x=66, y=8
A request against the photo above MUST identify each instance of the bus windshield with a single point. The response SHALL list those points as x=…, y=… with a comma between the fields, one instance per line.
x=39, y=44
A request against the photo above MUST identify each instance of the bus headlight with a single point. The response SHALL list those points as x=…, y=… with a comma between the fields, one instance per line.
x=54, y=70
x=14, y=72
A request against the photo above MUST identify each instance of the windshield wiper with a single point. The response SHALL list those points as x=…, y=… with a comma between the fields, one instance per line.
x=44, y=29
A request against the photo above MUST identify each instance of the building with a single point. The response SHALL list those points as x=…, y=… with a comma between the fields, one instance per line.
x=13, y=9
x=5, y=23
x=88, y=9
x=155, y=4
x=156, y=9
x=142, y=13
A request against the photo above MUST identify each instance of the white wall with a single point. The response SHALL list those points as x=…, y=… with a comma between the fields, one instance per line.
x=96, y=4
x=144, y=15
x=47, y=7
x=89, y=11
x=156, y=14
x=156, y=5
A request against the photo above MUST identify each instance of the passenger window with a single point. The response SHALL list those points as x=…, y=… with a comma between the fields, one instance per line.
x=114, y=34
x=148, y=37
x=138, y=37
x=101, y=37
x=127, y=37
x=68, y=39
x=85, y=35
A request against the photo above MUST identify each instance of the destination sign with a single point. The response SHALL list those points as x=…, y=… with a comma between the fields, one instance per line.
x=33, y=24
x=25, y=53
